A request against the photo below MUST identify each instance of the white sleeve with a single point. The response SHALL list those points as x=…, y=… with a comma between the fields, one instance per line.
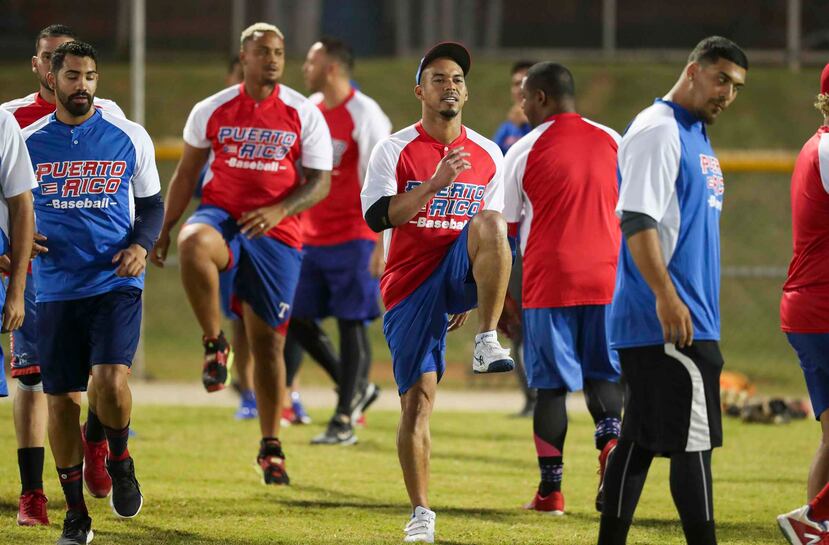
x=145, y=180
x=16, y=172
x=195, y=130
x=110, y=106
x=381, y=177
x=373, y=129
x=515, y=163
x=649, y=166
x=494, y=192
x=317, y=149
x=823, y=160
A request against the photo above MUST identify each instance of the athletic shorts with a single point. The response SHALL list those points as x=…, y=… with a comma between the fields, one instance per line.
x=813, y=352
x=335, y=281
x=77, y=334
x=4, y=388
x=266, y=270
x=563, y=346
x=672, y=402
x=415, y=328
x=226, y=279
x=23, y=341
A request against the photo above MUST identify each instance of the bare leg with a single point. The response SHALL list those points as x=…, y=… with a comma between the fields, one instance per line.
x=202, y=254
x=65, y=428
x=414, y=442
x=490, y=255
x=111, y=395
x=819, y=471
x=267, y=347
x=30, y=416
x=241, y=356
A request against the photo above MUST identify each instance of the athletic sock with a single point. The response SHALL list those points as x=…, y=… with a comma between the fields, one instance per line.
x=549, y=432
x=117, y=440
x=30, y=463
x=552, y=469
x=604, y=401
x=93, y=430
x=607, y=429
x=480, y=337
x=819, y=505
x=613, y=530
x=71, y=480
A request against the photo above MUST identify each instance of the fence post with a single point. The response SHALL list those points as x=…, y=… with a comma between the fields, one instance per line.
x=137, y=78
x=237, y=24
x=793, y=35
x=609, y=28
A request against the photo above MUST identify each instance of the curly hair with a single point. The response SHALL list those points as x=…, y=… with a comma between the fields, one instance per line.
x=822, y=104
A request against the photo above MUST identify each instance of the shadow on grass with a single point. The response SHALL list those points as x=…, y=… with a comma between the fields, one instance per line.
x=726, y=531
x=453, y=456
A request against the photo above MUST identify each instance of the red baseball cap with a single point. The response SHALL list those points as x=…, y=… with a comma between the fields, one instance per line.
x=452, y=50
x=824, y=80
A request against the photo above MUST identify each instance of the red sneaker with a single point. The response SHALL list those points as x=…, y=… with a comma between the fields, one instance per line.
x=552, y=504
x=288, y=416
x=95, y=477
x=31, y=510
x=609, y=447
x=271, y=463
x=218, y=359
x=799, y=529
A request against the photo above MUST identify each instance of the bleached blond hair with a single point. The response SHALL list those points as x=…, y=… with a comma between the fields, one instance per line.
x=822, y=104
x=248, y=33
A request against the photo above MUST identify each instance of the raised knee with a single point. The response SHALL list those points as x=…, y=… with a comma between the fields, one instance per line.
x=193, y=240
x=490, y=224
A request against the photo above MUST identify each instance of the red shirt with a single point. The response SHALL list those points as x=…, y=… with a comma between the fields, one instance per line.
x=805, y=304
x=257, y=149
x=356, y=125
x=560, y=183
x=32, y=107
x=405, y=160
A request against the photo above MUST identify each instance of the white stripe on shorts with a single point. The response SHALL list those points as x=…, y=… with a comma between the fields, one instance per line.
x=699, y=434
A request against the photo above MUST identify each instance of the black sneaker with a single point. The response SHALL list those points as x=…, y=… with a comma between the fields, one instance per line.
x=126, y=499
x=77, y=529
x=338, y=432
x=271, y=462
x=218, y=359
x=363, y=401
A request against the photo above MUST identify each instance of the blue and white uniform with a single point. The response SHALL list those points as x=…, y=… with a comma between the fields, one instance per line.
x=668, y=171
x=16, y=178
x=88, y=177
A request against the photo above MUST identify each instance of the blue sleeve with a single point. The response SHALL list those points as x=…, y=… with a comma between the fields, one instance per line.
x=501, y=134
x=149, y=214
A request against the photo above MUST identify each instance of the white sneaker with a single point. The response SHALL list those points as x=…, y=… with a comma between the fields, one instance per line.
x=489, y=357
x=421, y=527
x=799, y=529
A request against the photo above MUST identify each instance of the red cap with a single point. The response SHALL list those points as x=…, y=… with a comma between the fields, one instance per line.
x=824, y=80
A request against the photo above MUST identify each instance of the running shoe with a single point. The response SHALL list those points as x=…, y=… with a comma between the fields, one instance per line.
x=338, y=432
x=552, y=504
x=31, y=510
x=490, y=357
x=126, y=500
x=421, y=527
x=271, y=463
x=95, y=477
x=609, y=447
x=247, y=406
x=799, y=529
x=300, y=415
x=363, y=400
x=218, y=359
x=77, y=529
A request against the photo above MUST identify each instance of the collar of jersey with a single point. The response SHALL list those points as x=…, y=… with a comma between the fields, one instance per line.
x=563, y=115
x=679, y=112
x=270, y=98
x=40, y=101
x=342, y=104
x=425, y=135
x=86, y=125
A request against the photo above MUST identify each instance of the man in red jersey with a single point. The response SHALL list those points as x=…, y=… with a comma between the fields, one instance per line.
x=436, y=189
x=256, y=136
x=341, y=260
x=30, y=411
x=570, y=243
x=804, y=314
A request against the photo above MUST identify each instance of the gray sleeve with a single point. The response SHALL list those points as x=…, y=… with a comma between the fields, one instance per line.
x=634, y=222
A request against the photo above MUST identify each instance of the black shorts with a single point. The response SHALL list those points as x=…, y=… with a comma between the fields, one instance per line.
x=673, y=397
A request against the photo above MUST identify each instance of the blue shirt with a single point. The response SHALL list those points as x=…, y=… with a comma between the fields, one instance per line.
x=88, y=176
x=509, y=133
x=668, y=171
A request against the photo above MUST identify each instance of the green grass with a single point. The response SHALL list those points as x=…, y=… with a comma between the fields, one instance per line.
x=196, y=470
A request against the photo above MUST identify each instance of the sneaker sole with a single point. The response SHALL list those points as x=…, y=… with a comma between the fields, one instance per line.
x=94, y=495
x=500, y=366
x=31, y=524
x=89, y=536
x=787, y=530
x=258, y=469
x=119, y=515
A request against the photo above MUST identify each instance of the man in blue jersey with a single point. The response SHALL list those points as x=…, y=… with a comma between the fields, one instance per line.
x=664, y=320
x=98, y=203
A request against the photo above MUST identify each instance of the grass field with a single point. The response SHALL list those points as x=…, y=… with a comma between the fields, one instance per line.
x=196, y=470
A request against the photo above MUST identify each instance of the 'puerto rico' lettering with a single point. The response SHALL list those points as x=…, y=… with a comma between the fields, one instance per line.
x=73, y=179
x=710, y=167
x=459, y=199
x=257, y=143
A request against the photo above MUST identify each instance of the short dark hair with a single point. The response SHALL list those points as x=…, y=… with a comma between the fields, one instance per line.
x=78, y=49
x=231, y=66
x=554, y=79
x=714, y=48
x=53, y=31
x=340, y=51
x=521, y=65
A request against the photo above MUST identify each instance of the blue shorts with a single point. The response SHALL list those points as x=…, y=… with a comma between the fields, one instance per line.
x=74, y=335
x=24, y=340
x=226, y=280
x=563, y=346
x=4, y=388
x=335, y=281
x=415, y=328
x=813, y=352
x=266, y=270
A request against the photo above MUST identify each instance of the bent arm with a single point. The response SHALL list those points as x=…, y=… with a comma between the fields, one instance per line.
x=22, y=224
x=183, y=184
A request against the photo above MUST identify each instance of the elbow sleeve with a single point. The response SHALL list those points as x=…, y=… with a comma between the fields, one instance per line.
x=377, y=216
x=634, y=222
x=149, y=215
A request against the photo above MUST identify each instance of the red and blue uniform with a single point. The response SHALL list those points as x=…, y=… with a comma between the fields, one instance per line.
x=338, y=244
x=560, y=184
x=257, y=150
x=804, y=308
x=428, y=271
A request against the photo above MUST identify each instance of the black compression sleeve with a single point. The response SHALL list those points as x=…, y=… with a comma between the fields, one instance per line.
x=377, y=216
x=149, y=214
x=634, y=222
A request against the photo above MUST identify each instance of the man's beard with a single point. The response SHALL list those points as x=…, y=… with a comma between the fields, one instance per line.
x=449, y=114
x=45, y=83
x=73, y=108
